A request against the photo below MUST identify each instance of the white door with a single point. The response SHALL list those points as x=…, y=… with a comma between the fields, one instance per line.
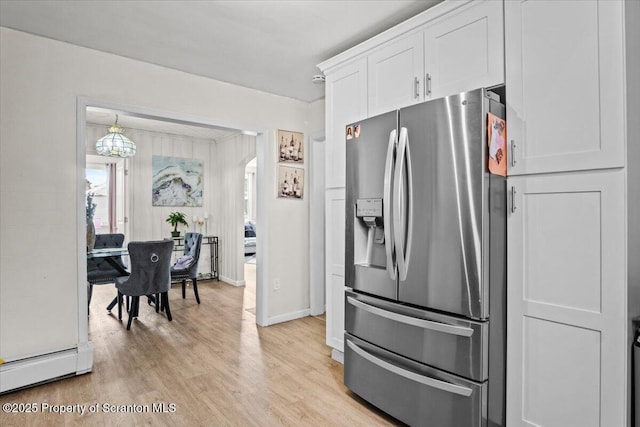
x=465, y=50
x=395, y=75
x=566, y=299
x=564, y=70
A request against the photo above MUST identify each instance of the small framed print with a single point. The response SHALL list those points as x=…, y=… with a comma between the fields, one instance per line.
x=290, y=182
x=290, y=146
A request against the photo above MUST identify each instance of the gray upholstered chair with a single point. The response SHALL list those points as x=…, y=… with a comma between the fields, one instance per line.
x=150, y=276
x=101, y=270
x=181, y=272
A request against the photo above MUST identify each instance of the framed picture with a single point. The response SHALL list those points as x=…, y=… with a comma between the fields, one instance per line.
x=290, y=146
x=176, y=181
x=290, y=182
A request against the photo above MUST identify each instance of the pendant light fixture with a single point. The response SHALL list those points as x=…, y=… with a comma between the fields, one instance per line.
x=115, y=144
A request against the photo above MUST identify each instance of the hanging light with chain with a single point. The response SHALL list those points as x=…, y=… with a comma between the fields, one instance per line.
x=115, y=144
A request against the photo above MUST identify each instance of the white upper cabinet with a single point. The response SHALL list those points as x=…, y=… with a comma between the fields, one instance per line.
x=460, y=51
x=395, y=75
x=346, y=102
x=565, y=104
x=465, y=50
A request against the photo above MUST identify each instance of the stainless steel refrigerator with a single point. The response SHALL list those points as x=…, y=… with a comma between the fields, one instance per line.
x=425, y=264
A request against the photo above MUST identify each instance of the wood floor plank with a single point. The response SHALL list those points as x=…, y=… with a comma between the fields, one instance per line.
x=211, y=366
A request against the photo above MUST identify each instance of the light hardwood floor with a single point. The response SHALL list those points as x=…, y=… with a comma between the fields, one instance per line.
x=213, y=362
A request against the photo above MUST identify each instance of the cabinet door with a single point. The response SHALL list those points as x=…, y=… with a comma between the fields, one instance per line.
x=395, y=74
x=334, y=259
x=566, y=299
x=564, y=70
x=465, y=50
x=346, y=102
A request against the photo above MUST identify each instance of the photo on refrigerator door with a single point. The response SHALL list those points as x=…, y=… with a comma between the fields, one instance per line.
x=497, y=135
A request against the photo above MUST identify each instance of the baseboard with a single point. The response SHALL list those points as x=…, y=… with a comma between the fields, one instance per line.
x=232, y=282
x=336, y=343
x=44, y=368
x=289, y=316
x=337, y=355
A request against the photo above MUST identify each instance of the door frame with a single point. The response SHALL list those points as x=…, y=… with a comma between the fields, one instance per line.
x=82, y=102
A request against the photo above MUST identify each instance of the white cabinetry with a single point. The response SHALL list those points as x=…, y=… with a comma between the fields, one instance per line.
x=564, y=85
x=395, y=75
x=346, y=102
x=566, y=312
x=458, y=51
x=465, y=50
x=570, y=232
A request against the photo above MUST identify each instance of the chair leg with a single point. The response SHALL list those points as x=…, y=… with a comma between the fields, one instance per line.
x=133, y=310
x=195, y=289
x=165, y=305
x=120, y=305
x=158, y=303
x=90, y=292
x=184, y=284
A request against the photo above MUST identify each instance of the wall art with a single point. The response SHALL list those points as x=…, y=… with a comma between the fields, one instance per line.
x=176, y=181
x=290, y=146
x=290, y=182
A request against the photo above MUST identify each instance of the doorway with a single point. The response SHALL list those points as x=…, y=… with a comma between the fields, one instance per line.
x=250, y=235
x=84, y=107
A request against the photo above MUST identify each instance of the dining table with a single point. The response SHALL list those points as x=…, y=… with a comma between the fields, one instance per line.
x=112, y=256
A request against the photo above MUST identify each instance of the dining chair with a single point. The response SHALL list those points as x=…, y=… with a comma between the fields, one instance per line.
x=150, y=276
x=101, y=271
x=186, y=267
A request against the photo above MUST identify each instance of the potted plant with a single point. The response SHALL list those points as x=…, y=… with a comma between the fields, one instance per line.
x=174, y=219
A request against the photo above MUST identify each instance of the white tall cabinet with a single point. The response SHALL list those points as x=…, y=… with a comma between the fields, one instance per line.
x=570, y=272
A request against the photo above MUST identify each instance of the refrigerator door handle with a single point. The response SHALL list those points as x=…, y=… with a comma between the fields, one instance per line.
x=422, y=323
x=403, y=158
x=428, y=381
x=386, y=204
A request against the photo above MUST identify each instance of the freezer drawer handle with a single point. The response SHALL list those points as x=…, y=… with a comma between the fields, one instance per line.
x=430, y=382
x=426, y=324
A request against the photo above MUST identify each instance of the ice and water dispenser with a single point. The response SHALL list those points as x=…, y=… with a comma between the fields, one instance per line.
x=372, y=257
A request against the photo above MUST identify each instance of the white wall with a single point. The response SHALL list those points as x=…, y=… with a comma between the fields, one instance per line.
x=231, y=159
x=40, y=269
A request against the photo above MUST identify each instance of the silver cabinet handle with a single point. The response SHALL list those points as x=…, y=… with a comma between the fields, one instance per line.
x=513, y=153
x=416, y=87
x=386, y=205
x=462, y=331
x=431, y=382
x=427, y=85
x=513, y=199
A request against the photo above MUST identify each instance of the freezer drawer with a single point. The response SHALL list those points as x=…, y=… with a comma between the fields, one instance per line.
x=411, y=392
x=443, y=342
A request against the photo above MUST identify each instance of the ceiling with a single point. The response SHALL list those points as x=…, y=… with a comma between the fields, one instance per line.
x=271, y=46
